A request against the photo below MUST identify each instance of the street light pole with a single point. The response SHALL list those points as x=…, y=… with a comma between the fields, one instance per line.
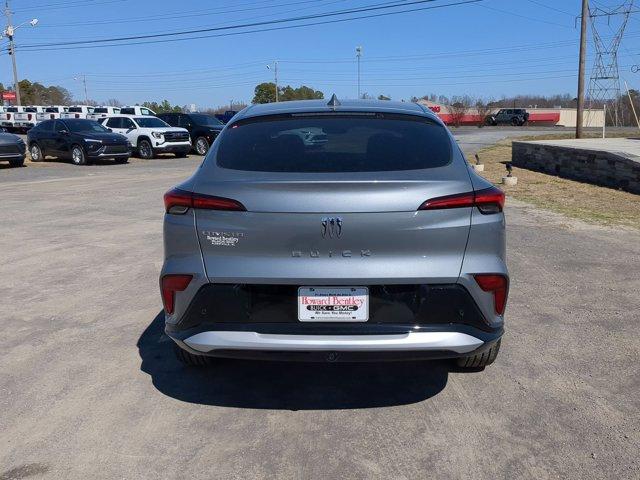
x=581, y=65
x=275, y=71
x=9, y=33
x=358, y=55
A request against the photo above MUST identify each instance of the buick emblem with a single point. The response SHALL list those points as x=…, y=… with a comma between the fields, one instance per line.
x=331, y=227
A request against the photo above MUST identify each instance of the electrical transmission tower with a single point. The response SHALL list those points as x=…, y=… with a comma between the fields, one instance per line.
x=604, y=83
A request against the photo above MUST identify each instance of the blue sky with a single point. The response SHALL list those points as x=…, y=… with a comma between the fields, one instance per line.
x=490, y=48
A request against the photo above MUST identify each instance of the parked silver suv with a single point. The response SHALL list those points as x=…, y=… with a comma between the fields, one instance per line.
x=378, y=242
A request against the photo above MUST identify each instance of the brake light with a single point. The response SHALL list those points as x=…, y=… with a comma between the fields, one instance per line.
x=169, y=285
x=489, y=200
x=77, y=115
x=8, y=116
x=29, y=117
x=496, y=284
x=178, y=201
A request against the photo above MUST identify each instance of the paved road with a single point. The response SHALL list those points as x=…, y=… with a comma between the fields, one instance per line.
x=89, y=387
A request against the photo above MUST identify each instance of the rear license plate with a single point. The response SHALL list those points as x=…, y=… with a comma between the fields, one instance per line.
x=333, y=304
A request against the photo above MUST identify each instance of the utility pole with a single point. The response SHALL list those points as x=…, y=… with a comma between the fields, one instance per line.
x=581, y=65
x=9, y=33
x=275, y=71
x=12, y=51
x=358, y=55
x=84, y=81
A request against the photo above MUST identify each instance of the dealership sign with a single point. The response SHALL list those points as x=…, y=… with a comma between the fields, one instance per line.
x=8, y=95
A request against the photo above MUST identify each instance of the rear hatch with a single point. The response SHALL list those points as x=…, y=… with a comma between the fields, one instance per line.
x=339, y=206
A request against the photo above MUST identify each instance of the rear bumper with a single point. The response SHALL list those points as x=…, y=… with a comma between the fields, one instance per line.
x=261, y=321
x=433, y=343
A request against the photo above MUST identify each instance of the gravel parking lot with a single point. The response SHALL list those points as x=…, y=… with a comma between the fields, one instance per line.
x=89, y=387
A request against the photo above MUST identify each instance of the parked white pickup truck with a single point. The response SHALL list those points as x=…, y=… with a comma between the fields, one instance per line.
x=102, y=112
x=136, y=110
x=149, y=135
x=50, y=113
x=77, y=111
x=23, y=121
x=8, y=117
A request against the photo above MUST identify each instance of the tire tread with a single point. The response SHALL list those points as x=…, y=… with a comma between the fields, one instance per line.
x=480, y=360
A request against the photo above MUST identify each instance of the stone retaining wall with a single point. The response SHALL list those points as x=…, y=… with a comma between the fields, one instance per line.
x=597, y=167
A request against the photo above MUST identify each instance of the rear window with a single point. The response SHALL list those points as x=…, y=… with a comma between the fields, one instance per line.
x=334, y=143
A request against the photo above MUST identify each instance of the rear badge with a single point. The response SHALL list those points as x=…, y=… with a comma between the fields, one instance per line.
x=223, y=239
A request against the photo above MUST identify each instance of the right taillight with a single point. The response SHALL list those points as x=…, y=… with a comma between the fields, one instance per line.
x=169, y=285
x=177, y=202
x=489, y=200
x=496, y=284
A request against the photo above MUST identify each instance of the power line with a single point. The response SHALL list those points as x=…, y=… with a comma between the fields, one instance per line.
x=384, y=6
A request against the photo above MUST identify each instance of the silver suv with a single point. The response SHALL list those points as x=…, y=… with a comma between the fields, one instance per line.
x=378, y=242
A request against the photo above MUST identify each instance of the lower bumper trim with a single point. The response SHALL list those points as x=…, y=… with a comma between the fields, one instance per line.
x=210, y=341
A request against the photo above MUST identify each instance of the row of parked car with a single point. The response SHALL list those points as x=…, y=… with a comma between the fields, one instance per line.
x=82, y=133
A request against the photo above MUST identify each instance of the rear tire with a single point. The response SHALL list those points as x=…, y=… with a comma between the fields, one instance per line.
x=480, y=360
x=189, y=359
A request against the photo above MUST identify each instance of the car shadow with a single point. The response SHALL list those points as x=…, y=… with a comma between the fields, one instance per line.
x=287, y=385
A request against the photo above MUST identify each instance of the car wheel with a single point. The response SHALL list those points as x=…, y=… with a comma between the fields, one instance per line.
x=480, y=360
x=145, y=150
x=189, y=359
x=77, y=155
x=36, y=153
x=202, y=146
x=16, y=162
x=515, y=121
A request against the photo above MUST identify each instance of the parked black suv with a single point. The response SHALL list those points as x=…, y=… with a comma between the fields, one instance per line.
x=12, y=148
x=203, y=128
x=78, y=140
x=509, y=116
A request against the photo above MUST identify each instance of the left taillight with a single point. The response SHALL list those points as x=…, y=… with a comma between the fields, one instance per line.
x=496, y=284
x=488, y=200
x=169, y=285
x=177, y=202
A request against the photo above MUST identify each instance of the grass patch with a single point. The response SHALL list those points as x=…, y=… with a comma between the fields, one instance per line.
x=583, y=201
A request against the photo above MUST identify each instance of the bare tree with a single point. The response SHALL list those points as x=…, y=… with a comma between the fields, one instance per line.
x=114, y=102
x=459, y=108
x=483, y=108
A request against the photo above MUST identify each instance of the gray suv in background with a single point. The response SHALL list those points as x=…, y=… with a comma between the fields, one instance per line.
x=378, y=242
x=509, y=116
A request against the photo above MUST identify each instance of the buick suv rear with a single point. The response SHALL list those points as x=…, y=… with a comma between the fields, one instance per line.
x=378, y=242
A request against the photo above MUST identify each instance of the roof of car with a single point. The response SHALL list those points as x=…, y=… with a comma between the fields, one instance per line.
x=313, y=106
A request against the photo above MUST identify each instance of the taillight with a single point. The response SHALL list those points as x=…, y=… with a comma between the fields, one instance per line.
x=489, y=200
x=52, y=116
x=77, y=115
x=178, y=201
x=496, y=284
x=169, y=285
x=8, y=116
x=29, y=117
